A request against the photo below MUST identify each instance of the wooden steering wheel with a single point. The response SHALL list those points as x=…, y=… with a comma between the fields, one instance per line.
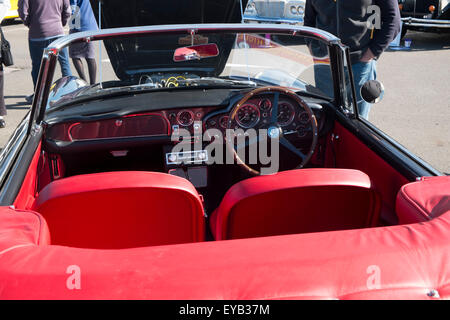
x=274, y=130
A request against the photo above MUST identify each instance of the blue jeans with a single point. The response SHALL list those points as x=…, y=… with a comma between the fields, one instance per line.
x=362, y=72
x=36, y=52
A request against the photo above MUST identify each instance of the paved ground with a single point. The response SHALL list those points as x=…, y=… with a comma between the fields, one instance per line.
x=416, y=107
x=415, y=110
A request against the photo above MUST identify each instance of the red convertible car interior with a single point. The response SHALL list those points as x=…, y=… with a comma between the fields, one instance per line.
x=32, y=267
x=92, y=189
x=41, y=232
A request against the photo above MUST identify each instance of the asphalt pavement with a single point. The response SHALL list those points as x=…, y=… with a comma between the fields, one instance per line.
x=415, y=110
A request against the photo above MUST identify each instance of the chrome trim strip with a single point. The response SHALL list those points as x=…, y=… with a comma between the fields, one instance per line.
x=278, y=20
x=416, y=22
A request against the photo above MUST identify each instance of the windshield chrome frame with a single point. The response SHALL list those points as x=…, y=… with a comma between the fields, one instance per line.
x=50, y=55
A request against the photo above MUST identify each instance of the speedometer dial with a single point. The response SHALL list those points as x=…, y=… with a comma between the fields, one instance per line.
x=286, y=113
x=247, y=116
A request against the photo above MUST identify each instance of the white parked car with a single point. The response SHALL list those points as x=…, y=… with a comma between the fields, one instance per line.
x=275, y=11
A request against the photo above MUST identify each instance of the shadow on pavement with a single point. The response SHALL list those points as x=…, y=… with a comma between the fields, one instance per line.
x=15, y=97
x=11, y=22
x=18, y=105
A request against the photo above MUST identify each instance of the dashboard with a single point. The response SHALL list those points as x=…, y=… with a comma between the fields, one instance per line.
x=256, y=112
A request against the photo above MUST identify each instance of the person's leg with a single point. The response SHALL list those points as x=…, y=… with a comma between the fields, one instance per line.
x=36, y=51
x=63, y=59
x=79, y=67
x=323, y=79
x=92, y=67
x=363, y=72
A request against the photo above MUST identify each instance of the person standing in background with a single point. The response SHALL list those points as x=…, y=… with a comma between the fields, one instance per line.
x=83, y=19
x=5, y=5
x=45, y=20
x=351, y=21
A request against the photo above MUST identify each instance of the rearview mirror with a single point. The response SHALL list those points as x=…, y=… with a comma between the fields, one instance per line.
x=196, y=52
x=372, y=91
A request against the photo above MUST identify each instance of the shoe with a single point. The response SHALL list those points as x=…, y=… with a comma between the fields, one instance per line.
x=2, y=123
x=29, y=98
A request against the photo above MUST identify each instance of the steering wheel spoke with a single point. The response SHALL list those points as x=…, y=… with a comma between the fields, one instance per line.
x=288, y=145
x=274, y=116
x=248, y=142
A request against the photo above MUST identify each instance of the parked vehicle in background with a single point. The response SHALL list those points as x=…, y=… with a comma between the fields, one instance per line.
x=425, y=15
x=12, y=13
x=281, y=11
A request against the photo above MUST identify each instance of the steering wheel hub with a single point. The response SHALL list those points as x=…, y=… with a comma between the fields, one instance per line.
x=274, y=132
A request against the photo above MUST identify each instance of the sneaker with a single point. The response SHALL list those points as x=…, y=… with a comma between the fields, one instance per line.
x=2, y=123
x=29, y=98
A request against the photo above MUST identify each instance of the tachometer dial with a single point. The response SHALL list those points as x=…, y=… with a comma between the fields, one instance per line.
x=303, y=117
x=185, y=118
x=286, y=113
x=247, y=116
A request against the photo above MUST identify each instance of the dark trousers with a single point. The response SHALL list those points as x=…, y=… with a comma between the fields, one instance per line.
x=2, y=96
x=36, y=52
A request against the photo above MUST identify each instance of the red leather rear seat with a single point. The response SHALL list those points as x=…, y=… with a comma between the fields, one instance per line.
x=423, y=200
x=116, y=210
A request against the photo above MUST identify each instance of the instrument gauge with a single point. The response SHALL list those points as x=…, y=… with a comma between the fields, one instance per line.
x=223, y=122
x=303, y=117
x=185, y=118
x=247, y=116
x=265, y=104
x=302, y=131
x=286, y=113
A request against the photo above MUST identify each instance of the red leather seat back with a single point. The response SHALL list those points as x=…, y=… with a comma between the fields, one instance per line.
x=297, y=201
x=423, y=200
x=116, y=210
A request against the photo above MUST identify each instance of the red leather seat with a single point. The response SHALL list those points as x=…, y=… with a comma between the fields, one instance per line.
x=296, y=201
x=115, y=210
x=423, y=200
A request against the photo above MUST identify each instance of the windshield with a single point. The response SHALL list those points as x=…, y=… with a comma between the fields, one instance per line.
x=212, y=59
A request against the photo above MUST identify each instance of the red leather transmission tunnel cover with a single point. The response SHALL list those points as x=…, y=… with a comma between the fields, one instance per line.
x=296, y=201
x=116, y=210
